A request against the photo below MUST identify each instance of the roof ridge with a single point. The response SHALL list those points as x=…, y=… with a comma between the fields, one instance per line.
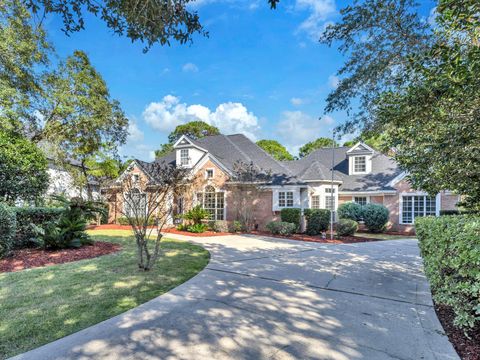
x=238, y=148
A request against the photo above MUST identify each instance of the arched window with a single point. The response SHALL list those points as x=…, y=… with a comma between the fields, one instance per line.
x=213, y=201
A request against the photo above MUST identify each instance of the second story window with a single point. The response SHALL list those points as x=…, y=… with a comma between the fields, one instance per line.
x=360, y=164
x=184, y=158
x=209, y=173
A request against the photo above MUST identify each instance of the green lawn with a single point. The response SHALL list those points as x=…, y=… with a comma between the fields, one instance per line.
x=40, y=305
x=384, y=236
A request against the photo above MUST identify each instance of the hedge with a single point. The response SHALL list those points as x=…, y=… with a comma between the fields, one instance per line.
x=450, y=247
x=26, y=216
x=281, y=228
x=7, y=230
x=291, y=215
x=346, y=227
x=318, y=220
x=350, y=210
x=375, y=217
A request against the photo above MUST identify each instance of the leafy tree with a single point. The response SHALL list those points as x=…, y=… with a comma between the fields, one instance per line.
x=78, y=115
x=147, y=21
x=274, y=148
x=316, y=144
x=24, y=55
x=192, y=129
x=421, y=90
x=23, y=169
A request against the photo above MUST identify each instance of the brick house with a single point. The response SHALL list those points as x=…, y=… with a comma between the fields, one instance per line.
x=361, y=175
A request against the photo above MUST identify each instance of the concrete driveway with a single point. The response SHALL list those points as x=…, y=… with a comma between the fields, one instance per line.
x=264, y=298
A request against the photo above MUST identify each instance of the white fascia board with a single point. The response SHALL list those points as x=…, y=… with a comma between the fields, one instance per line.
x=185, y=137
x=397, y=179
x=360, y=193
x=360, y=143
x=324, y=181
x=213, y=159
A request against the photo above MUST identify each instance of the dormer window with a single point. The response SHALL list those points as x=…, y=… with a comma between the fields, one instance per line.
x=184, y=157
x=360, y=164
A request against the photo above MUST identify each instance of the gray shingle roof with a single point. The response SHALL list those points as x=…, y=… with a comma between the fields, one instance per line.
x=229, y=149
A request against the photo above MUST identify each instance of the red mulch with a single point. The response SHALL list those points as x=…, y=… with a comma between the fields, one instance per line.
x=318, y=238
x=467, y=349
x=203, y=234
x=31, y=258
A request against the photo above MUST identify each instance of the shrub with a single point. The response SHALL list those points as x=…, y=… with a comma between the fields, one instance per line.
x=450, y=247
x=8, y=226
x=346, y=227
x=350, y=210
x=291, y=215
x=237, y=226
x=375, y=217
x=197, y=228
x=281, y=228
x=318, y=220
x=220, y=226
x=196, y=214
x=29, y=222
x=123, y=220
x=182, y=227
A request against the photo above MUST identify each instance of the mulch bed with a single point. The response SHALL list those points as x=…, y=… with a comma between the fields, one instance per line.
x=203, y=234
x=31, y=258
x=318, y=238
x=467, y=349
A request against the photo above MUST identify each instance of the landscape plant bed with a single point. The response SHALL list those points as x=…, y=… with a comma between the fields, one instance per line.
x=467, y=349
x=112, y=227
x=188, y=233
x=32, y=258
x=318, y=238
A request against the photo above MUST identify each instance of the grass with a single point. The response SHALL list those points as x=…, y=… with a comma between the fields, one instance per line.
x=383, y=236
x=44, y=304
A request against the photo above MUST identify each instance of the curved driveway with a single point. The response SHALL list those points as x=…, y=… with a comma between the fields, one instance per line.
x=264, y=298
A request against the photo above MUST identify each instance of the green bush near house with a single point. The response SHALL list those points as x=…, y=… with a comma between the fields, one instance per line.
x=450, y=247
x=318, y=220
x=8, y=226
x=29, y=219
x=219, y=226
x=196, y=215
x=375, y=217
x=197, y=228
x=237, y=226
x=346, y=227
x=291, y=215
x=281, y=228
x=350, y=210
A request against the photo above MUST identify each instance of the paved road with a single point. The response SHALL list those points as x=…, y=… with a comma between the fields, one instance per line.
x=263, y=298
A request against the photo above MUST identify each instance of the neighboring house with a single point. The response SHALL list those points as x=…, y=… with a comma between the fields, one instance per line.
x=62, y=183
x=361, y=174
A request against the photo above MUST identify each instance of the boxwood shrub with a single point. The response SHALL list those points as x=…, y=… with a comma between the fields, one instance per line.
x=350, y=210
x=346, y=227
x=28, y=218
x=375, y=217
x=450, y=247
x=281, y=228
x=318, y=220
x=291, y=215
x=7, y=230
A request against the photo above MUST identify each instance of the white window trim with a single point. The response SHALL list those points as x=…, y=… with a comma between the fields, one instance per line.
x=418, y=193
x=296, y=197
x=353, y=164
x=213, y=173
x=216, y=190
x=188, y=157
x=365, y=196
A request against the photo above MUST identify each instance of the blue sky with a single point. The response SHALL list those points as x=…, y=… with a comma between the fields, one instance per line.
x=260, y=72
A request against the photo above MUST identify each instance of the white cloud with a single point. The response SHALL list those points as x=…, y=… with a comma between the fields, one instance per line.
x=297, y=128
x=320, y=11
x=333, y=81
x=134, y=133
x=230, y=117
x=297, y=101
x=190, y=67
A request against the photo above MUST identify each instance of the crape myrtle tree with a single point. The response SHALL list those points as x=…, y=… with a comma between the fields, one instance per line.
x=417, y=84
x=149, y=200
x=248, y=180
